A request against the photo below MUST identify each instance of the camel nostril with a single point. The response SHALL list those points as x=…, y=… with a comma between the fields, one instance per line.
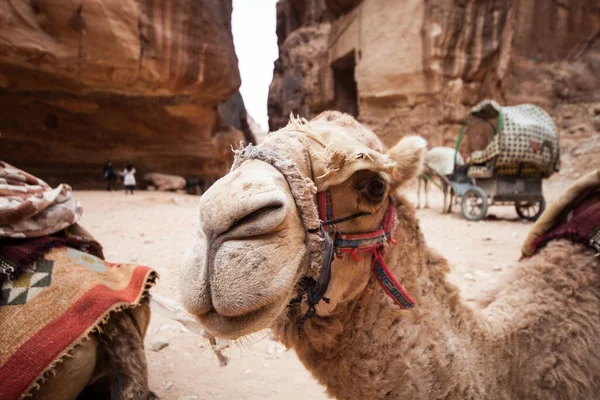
x=259, y=221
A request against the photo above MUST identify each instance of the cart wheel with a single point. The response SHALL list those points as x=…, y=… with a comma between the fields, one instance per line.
x=474, y=204
x=530, y=210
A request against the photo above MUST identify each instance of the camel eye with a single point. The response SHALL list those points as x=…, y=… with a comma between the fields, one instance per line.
x=376, y=188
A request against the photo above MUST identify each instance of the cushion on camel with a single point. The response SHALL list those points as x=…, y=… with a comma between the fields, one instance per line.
x=575, y=216
x=55, y=287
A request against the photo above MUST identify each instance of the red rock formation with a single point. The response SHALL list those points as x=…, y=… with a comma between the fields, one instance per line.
x=339, y=7
x=302, y=35
x=418, y=66
x=134, y=81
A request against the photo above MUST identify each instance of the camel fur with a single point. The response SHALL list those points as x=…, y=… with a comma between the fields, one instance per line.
x=537, y=338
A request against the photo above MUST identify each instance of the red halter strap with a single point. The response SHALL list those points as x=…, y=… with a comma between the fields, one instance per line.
x=373, y=242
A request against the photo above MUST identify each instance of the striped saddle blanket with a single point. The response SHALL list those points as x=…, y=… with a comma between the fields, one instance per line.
x=51, y=307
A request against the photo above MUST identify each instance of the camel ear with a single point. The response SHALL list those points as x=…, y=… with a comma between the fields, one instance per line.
x=408, y=155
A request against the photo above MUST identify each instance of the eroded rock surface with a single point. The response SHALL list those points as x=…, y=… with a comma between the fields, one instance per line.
x=299, y=77
x=139, y=81
x=419, y=66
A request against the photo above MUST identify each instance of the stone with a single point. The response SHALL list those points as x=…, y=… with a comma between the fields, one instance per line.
x=128, y=81
x=481, y=274
x=165, y=182
x=169, y=385
x=275, y=350
x=159, y=345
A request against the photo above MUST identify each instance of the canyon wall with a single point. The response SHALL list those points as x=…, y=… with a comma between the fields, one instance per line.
x=415, y=66
x=140, y=81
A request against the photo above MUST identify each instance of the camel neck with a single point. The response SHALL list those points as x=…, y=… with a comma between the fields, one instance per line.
x=371, y=348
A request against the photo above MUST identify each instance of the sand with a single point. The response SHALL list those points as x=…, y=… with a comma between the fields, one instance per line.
x=155, y=228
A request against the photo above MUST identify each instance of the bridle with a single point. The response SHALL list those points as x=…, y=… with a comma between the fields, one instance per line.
x=324, y=241
x=373, y=242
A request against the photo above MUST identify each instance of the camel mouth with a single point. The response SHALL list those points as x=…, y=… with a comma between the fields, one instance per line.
x=228, y=292
x=239, y=274
x=234, y=327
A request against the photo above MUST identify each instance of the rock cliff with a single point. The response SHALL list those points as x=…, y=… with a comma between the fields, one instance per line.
x=299, y=73
x=418, y=66
x=139, y=81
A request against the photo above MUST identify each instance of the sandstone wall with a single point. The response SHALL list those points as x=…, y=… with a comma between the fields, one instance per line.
x=301, y=78
x=135, y=81
x=420, y=65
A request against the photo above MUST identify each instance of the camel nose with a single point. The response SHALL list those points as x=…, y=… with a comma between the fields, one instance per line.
x=247, y=202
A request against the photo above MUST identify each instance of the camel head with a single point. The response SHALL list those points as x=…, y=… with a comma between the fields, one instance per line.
x=259, y=240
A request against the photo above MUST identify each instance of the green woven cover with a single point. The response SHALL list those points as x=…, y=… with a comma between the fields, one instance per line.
x=527, y=138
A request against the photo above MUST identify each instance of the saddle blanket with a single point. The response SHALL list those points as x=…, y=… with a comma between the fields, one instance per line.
x=48, y=310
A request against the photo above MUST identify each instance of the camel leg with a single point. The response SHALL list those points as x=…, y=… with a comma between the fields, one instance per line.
x=445, y=195
x=122, y=372
x=418, y=192
x=72, y=375
x=426, y=184
x=110, y=365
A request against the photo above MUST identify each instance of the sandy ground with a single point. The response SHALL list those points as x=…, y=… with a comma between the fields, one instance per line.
x=155, y=228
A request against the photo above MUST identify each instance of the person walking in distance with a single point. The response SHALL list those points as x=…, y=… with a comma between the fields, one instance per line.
x=109, y=176
x=129, y=178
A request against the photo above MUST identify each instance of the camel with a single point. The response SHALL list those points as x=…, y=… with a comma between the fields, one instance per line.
x=110, y=364
x=438, y=161
x=72, y=325
x=263, y=259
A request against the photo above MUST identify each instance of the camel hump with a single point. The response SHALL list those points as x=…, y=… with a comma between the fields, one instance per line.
x=575, y=216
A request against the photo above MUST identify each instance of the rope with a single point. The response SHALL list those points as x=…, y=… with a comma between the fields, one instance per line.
x=434, y=182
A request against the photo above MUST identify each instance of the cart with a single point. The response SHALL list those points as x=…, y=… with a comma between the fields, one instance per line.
x=509, y=151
